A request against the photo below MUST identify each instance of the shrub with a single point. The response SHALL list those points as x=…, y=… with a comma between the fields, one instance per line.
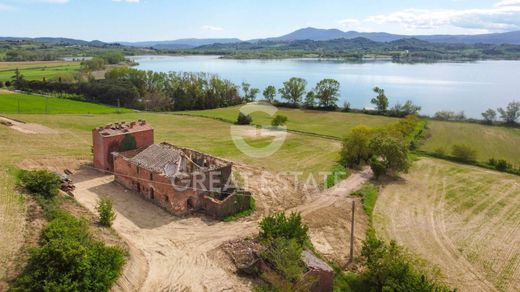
x=41, y=182
x=502, y=165
x=389, y=268
x=285, y=255
x=378, y=167
x=368, y=192
x=281, y=226
x=106, y=213
x=278, y=120
x=1, y=84
x=244, y=119
x=8, y=84
x=440, y=151
x=339, y=172
x=464, y=152
x=69, y=260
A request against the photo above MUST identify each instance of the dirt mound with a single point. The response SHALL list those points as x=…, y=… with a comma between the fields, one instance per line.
x=26, y=128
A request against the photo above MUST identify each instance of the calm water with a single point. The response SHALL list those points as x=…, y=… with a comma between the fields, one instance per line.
x=468, y=87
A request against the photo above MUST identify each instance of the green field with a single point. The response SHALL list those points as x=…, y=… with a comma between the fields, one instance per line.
x=489, y=141
x=38, y=70
x=335, y=124
x=33, y=104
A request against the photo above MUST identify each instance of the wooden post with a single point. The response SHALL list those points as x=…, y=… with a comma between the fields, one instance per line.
x=352, y=232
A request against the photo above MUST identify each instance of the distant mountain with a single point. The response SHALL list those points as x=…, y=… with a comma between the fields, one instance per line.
x=181, y=43
x=317, y=34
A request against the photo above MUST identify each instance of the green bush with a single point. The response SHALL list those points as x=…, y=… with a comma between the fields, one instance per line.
x=285, y=255
x=502, y=165
x=464, y=153
x=40, y=182
x=339, y=172
x=389, y=268
x=368, y=192
x=106, y=213
x=279, y=120
x=280, y=226
x=244, y=119
x=69, y=260
x=378, y=167
x=440, y=151
x=1, y=84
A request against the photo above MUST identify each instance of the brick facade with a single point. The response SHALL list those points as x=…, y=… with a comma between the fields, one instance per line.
x=108, y=139
x=177, y=179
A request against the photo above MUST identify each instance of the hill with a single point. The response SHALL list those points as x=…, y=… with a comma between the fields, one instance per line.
x=181, y=43
x=317, y=34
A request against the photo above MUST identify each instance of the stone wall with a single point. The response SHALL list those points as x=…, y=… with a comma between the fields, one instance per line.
x=234, y=203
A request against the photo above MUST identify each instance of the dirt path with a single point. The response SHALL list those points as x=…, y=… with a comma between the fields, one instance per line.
x=329, y=214
x=464, y=220
x=26, y=128
x=175, y=254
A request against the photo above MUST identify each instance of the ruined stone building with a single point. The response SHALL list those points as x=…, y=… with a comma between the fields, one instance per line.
x=179, y=180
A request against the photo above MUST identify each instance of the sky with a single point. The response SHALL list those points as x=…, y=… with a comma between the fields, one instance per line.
x=145, y=20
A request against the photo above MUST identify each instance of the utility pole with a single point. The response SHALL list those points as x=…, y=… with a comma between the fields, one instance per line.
x=352, y=232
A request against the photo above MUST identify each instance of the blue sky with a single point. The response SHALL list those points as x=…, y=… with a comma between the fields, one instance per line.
x=140, y=20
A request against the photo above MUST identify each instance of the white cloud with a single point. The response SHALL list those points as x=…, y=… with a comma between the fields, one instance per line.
x=211, y=28
x=503, y=16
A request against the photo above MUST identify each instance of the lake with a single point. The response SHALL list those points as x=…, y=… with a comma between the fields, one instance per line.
x=469, y=87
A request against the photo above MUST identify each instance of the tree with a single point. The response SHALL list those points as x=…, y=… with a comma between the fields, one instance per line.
x=380, y=101
x=409, y=108
x=511, y=113
x=489, y=116
x=279, y=120
x=391, y=152
x=356, y=146
x=17, y=75
x=293, y=90
x=105, y=211
x=249, y=93
x=310, y=100
x=269, y=93
x=327, y=93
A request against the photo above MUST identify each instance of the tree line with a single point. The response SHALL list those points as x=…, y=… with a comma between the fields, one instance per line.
x=146, y=90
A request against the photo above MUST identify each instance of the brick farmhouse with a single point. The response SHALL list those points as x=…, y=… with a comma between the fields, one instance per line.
x=177, y=179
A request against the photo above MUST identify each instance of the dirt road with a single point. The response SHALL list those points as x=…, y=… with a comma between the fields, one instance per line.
x=169, y=253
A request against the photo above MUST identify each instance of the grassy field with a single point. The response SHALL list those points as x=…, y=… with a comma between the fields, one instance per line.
x=463, y=219
x=336, y=124
x=497, y=142
x=299, y=153
x=25, y=103
x=490, y=142
x=38, y=70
